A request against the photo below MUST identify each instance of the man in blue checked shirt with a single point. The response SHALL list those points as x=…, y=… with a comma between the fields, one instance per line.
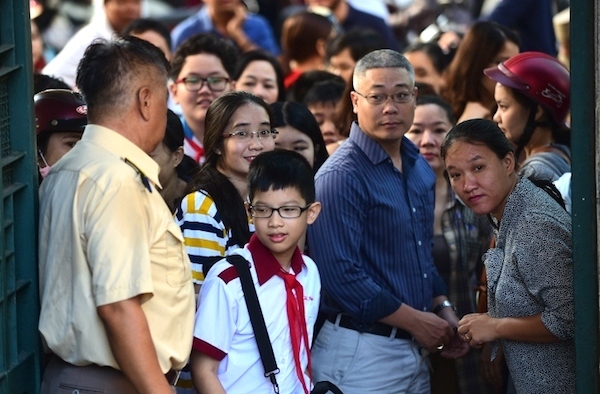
x=384, y=301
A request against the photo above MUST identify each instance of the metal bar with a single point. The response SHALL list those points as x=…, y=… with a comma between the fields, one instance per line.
x=584, y=88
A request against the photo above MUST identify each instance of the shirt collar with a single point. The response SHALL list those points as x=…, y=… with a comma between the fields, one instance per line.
x=124, y=149
x=266, y=264
x=375, y=152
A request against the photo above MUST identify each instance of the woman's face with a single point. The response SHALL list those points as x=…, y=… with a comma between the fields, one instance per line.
x=167, y=161
x=324, y=113
x=428, y=131
x=481, y=180
x=59, y=143
x=510, y=116
x=293, y=139
x=238, y=153
x=509, y=50
x=425, y=72
x=260, y=79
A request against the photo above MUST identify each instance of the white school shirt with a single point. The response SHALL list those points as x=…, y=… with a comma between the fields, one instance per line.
x=223, y=330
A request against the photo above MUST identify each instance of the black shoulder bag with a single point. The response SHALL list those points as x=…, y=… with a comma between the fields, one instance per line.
x=260, y=329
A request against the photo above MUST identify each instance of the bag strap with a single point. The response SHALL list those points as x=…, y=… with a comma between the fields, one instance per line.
x=256, y=319
x=325, y=387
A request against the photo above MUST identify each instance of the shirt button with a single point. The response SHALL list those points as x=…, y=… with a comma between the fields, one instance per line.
x=414, y=209
x=425, y=276
x=419, y=242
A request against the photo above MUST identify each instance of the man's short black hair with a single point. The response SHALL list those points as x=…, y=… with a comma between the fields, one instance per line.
x=325, y=92
x=280, y=169
x=143, y=25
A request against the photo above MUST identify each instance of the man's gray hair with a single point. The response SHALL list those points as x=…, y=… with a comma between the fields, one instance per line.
x=382, y=58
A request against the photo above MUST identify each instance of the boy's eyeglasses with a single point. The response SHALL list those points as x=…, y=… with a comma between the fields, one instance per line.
x=246, y=136
x=287, y=212
x=380, y=98
x=194, y=83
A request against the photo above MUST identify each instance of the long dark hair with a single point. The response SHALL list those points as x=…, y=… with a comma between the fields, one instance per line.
x=299, y=117
x=227, y=199
x=487, y=133
x=464, y=74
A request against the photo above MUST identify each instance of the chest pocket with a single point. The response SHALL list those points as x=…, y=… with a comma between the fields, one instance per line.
x=178, y=265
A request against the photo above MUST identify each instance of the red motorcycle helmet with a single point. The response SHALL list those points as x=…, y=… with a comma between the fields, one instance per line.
x=59, y=110
x=538, y=76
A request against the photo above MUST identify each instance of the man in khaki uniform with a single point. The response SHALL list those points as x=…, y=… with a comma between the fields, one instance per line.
x=115, y=282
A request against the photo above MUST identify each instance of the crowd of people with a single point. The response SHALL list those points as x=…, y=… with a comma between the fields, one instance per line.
x=399, y=201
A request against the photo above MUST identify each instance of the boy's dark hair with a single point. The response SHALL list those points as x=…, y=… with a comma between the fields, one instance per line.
x=325, y=92
x=143, y=25
x=204, y=43
x=280, y=169
x=307, y=80
x=358, y=41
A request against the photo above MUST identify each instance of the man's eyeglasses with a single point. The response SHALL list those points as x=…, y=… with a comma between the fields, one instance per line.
x=194, y=83
x=246, y=136
x=380, y=98
x=287, y=212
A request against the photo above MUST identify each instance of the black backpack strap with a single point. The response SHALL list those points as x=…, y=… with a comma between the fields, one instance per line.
x=325, y=387
x=256, y=318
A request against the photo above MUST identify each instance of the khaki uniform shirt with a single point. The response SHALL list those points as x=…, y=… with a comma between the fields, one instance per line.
x=106, y=235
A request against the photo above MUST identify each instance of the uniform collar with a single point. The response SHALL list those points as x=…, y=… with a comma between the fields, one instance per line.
x=124, y=149
x=266, y=264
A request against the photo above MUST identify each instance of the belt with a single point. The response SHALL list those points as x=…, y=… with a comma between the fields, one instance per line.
x=172, y=377
x=376, y=328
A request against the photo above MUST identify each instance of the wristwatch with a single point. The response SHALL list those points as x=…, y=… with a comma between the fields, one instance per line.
x=442, y=305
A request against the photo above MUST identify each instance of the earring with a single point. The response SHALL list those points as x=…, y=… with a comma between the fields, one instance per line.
x=218, y=152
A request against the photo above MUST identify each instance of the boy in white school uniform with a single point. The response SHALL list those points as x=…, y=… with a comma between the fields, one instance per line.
x=225, y=355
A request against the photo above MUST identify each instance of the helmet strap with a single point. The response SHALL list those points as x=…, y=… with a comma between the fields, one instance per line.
x=527, y=132
x=43, y=158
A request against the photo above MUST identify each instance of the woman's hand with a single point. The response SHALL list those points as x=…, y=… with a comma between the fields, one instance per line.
x=478, y=328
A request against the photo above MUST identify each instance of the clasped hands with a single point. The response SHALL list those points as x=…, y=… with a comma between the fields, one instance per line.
x=476, y=329
x=439, y=334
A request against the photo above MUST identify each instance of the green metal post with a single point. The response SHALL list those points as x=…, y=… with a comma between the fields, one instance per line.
x=584, y=90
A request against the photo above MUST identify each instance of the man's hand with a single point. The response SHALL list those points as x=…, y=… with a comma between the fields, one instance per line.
x=456, y=347
x=235, y=24
x=431, y=331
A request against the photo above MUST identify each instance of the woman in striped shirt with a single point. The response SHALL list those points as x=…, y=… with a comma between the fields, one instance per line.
x=212, y=216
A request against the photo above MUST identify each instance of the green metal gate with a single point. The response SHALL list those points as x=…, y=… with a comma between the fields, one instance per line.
x=19, y=306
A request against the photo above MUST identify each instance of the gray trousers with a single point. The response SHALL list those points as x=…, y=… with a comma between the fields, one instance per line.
x=361, y=363
x=63, y=378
